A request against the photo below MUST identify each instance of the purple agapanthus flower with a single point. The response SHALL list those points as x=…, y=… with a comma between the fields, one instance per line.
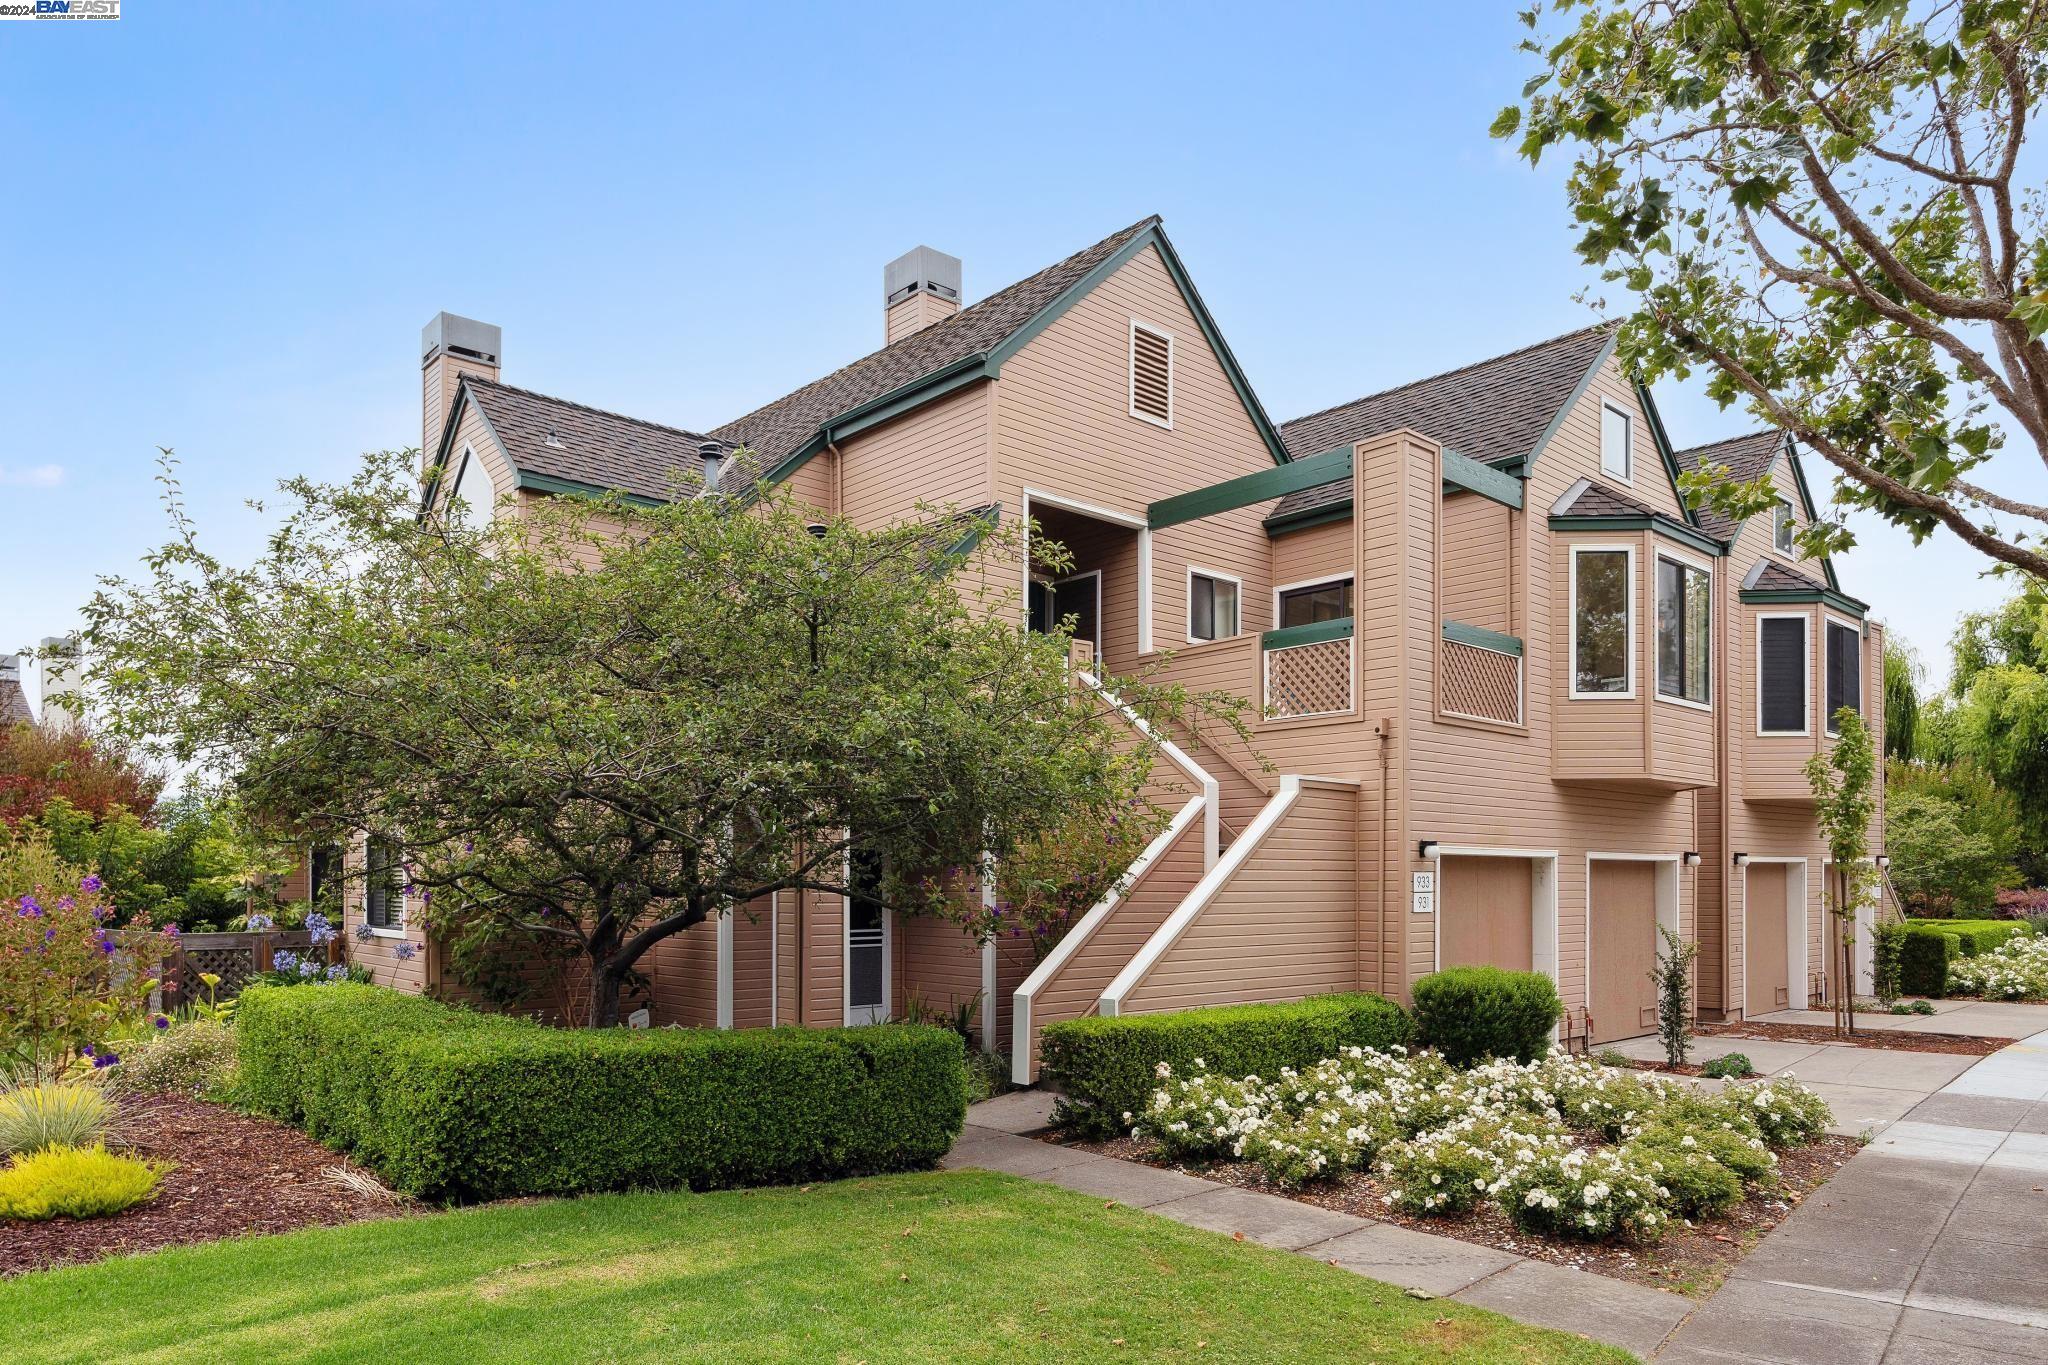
x=30, y=908
x=364, y=933
x=308, y=967
x=319, y=929
x=337, y=971
x=284, y=961
x=405, y=950
x=104, y=1060
x=258, y=923
x=90, y=882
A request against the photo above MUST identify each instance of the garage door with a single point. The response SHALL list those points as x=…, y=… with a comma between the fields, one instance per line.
x=1623, y=900
x=1483, y=915
x=1766, y=961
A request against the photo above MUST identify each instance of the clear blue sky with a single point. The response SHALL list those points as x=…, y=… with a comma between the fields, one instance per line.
x=229, y=223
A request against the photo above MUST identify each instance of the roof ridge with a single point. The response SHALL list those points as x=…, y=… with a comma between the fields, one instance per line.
x=586, y=407
x=950, y=323
x=1450, y=373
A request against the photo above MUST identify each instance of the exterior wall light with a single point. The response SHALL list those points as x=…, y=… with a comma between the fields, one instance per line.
x=1692, y=857
x=1884, y=860
x=1742, y=860
x=1427, y=849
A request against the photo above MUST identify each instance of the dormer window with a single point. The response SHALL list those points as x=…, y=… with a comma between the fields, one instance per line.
x=1617, y=443
x=1783, y=527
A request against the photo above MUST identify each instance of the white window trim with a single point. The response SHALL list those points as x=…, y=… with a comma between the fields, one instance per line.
x=1056, y=584
x=1828, y=618
x=1188, y=624
x=1657, y=690
x=846, y=1005
x=1790, y=556
x=379, y=931
x=1628, y=447
x=1131, y=372
x=1571, y=675
x=1322, y=582
x=1805, y=731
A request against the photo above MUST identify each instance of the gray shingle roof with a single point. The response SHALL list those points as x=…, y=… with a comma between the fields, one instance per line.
x=13, y=705
x=589, y=445
x=1494, y=410
x=1599, y=500
x=782, y=427
x=1747, y=457
x=1776, y=577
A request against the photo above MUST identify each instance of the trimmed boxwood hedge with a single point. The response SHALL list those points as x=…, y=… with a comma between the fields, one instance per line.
x=1472, y=1013
x=1923, y=961
x=445, y=1103
x=1106, y=1067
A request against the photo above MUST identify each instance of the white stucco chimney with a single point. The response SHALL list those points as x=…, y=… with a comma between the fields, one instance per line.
x=450, y=347
x=58, y=675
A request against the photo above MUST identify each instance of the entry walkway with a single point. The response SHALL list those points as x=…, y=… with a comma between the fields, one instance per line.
x=1929, y=1246
x=1605, y=1309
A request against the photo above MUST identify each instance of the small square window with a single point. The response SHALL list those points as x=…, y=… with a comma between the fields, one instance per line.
x=1617, y=454
x=1212, y=607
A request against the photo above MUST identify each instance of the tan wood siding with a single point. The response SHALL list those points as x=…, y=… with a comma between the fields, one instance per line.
x=1485, y=909
x=937, y=454
x=1479, y=563
x=1282, y=927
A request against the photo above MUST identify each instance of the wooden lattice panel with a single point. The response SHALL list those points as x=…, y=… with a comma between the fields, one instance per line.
x=1483, y=683
x=1308, y=680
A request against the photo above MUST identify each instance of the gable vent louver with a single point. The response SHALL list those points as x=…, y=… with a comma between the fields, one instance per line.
x=1151, y=375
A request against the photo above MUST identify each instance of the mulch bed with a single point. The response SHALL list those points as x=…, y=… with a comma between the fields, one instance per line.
x=236, y=1173
x=1689, y=1260
x=1898, y=1040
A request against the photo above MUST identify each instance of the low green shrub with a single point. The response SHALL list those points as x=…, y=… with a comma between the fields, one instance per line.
x=446, y=1103
x=1974, y=936
x=1696, y=1184
x=76, y=1182
x=1472, y=1013
x=1887, y=942
x=1107, y=1068
x=53, y=1114
x=1924, y=960
x=1729, y=1065
x=1786, y=1114
x=1921, y=1007
x=189, y=1058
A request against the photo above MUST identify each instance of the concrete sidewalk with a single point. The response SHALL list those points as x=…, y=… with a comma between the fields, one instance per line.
x=1608, y=1310
x=1930, y=1246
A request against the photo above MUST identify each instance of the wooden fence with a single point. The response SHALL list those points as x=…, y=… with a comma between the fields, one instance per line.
x=235, y=958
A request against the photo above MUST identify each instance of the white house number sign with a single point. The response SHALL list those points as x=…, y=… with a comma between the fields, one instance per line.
x=1425, y=893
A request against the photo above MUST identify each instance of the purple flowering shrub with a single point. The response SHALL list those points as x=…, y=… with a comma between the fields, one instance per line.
x=68, y=980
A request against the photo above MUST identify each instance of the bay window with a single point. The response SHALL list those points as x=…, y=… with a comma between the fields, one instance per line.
x=1685, y=630
x=1602, y=626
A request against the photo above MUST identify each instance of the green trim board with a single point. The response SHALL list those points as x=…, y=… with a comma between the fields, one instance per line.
x=985, y=522
x=1664, y=450
x=1289, y=636
x=1243, y=491
x=1475, y=476
x=1313, y=516
x=1457, y=632
x=1842, y=602
x=1557, y=418
x=1672, y=530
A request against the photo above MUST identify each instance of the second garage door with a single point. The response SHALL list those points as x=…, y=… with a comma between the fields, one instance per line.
x=1766, y=960
x=1483, y=915
x=1623, y=951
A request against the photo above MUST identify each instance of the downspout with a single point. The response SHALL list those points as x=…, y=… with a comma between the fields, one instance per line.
x=1386, y=729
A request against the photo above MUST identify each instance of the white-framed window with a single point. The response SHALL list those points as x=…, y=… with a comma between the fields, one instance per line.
x=475, y=491
x=1784, y=671
x=1151, y=374
x=1305, y=604
x=1685, y=629
x=1845, y=668
x=1603, y=635
x=1783, y=527
x=1617, y=443
x=1213, y=605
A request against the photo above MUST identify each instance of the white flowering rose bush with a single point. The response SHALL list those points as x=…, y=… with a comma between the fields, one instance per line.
x=1565, y=1146
x=2016, y=969
x=1589, y=1193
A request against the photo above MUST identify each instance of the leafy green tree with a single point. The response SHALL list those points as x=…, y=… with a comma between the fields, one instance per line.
x=1844, y=783
x=1952, y=836
x=1999, y=718
x=1902, y=676
x=1824, y=203
x=597, y=723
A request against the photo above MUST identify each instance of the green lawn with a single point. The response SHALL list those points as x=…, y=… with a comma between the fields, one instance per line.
x=944, y=1267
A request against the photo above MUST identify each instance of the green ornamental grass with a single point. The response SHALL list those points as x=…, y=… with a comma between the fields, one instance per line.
x=53, y=1114
x=76, y=1182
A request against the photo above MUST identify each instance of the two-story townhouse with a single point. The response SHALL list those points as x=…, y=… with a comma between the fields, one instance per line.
x=1486, y=639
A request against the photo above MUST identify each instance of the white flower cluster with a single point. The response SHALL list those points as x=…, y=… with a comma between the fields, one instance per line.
x=1528, y=1137
x=2016, y=969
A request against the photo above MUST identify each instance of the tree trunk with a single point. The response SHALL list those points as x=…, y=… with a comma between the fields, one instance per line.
x=606, y=980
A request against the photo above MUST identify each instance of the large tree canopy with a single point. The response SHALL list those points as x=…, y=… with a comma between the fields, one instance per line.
x=597, y=724
x=1998, y=717
x=1827, y=203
